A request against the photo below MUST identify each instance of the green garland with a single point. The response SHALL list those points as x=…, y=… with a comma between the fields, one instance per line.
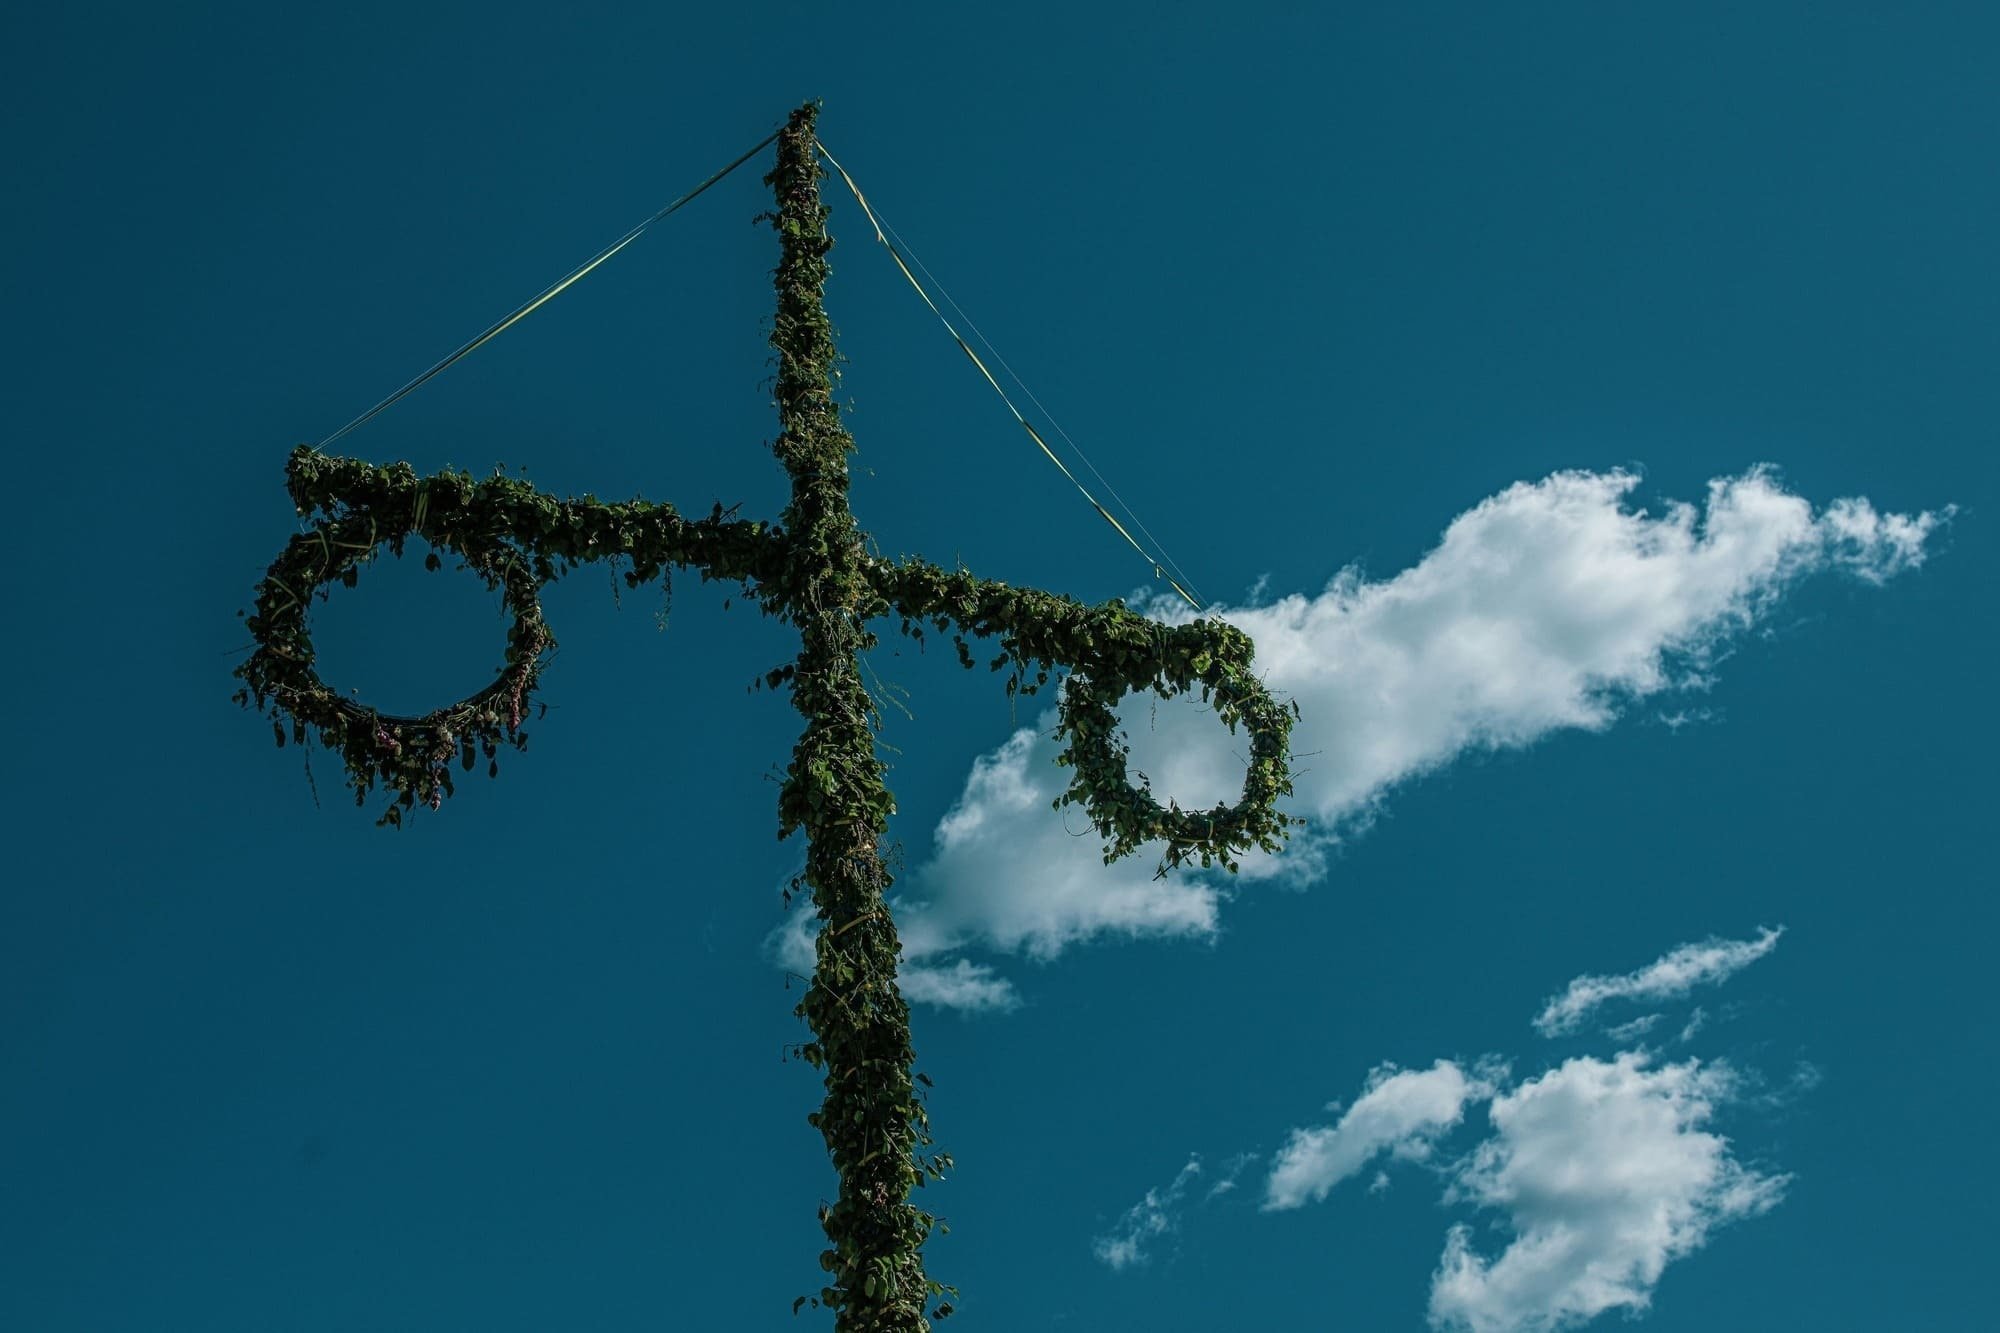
x=1111, y=651
x=513, y=537
x=812, y=571
x=516, y=538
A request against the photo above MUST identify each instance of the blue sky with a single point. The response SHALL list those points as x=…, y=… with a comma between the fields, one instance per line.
x=1588, y=409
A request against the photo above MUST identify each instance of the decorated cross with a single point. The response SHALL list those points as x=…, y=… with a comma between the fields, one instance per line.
x=812, y=570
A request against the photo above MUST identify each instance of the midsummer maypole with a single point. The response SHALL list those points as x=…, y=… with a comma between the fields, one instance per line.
x=812, y=571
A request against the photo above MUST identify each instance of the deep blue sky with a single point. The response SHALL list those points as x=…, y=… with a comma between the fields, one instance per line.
x=1308, y=285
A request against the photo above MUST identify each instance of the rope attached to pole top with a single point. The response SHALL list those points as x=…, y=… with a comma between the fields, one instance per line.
x=544, y=297
x=1163, y=566
x=895, y=253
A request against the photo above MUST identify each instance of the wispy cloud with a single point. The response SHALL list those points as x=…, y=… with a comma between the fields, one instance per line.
x=959, y=985
x=1232, y=1170
x=1605, y=1174
x=1400, y=1112
x=1634, y=1029
x=1159, y=1212
x=1668, y=977
x=1550, y=606
x=1156, y=1215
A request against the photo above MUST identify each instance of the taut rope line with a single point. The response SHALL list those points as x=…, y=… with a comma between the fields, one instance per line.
x=1159, y=567
x=544, y=297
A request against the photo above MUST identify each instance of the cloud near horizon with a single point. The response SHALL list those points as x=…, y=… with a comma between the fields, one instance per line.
x=1550, y=606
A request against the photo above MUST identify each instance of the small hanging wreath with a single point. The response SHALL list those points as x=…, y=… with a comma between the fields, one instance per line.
x=409, y=756
x=1111, y=651
x=1127, y=814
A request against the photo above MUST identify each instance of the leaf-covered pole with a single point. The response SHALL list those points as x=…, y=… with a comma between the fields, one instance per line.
x=813, y=571
x=872, y=1119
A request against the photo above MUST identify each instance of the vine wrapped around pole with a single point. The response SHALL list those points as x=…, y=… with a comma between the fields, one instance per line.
x=872, y=1119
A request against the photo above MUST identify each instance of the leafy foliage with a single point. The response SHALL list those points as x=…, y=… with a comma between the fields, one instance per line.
x=1110, y=651
x=511, y=535
x=814, y=572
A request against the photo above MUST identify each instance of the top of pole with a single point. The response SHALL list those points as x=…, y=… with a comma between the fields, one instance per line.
x=811, y=443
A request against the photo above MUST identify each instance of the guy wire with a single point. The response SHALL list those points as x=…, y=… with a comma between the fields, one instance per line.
x=1159, y=568
x=1021, y=384
x=547, y=294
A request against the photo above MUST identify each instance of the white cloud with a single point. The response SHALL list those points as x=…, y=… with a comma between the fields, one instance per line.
x=960, y=985
x=791, y=944
x=1605, y=1174
x=1668, y=977
x=1010, y=872
x=1230, y=1172
x=1549, y=606
x=1124, y=1246
x=1602, y=1171
x=1158, y=1214
x=1638, y=1027
x=1400, y=1112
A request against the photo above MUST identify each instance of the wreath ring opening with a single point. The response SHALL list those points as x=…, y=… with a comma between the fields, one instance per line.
x=1128, y=814
x=410, y=755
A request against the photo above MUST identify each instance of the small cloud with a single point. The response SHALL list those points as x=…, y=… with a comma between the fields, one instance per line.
x=1230, y=1171
x=1159, y=1213
x=1668, y=977
x=1124, y=1246
x=966, y=986
x=1400, y=1112
x=1605, y=1173
x=1687, y=717
x=1874, y=546
x=1804, y=1078
x=1638, y=1027
x=959, y=984
x=1696, y=1022
x=790, y=943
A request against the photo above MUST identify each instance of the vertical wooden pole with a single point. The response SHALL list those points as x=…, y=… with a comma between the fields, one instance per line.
x=872, y=1119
